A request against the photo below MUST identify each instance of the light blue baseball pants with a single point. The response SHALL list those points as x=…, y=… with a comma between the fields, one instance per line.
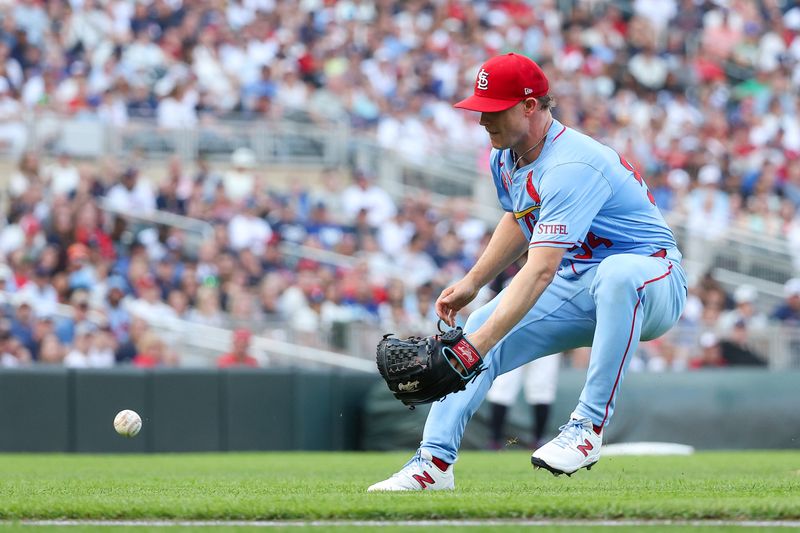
x=610, y=307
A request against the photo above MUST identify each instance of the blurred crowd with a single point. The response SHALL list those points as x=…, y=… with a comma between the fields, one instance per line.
x=694, y=92
x=703, y=96
x=83, y=287
x=116, y=277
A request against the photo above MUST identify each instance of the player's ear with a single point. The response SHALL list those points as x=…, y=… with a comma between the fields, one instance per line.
x=529, y=105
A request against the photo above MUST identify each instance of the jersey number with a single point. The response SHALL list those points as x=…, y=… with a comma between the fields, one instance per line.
x=592, y=241
x=637, y=177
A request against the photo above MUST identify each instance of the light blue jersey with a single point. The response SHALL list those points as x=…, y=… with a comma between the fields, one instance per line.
x=620, y=281
x=581, y=195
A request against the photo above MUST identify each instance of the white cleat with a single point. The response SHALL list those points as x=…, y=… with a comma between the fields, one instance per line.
x=418, y=474
x=576, y=447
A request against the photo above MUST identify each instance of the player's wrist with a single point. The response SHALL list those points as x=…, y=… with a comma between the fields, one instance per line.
x=478, y=342
x=473, y=282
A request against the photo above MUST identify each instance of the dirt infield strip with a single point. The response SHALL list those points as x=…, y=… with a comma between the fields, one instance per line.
x=406, y=523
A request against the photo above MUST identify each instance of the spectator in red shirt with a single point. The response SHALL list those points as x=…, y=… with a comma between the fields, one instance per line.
x=238, y=356
x=154, y=353
x=711, y=354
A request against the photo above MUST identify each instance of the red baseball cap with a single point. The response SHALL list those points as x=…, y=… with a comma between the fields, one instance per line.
x=503, y=82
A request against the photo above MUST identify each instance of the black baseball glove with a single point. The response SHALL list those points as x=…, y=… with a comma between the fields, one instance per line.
x=424, y=370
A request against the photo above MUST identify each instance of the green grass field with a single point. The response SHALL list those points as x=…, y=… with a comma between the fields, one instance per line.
x=305, y=486
x=361, y=528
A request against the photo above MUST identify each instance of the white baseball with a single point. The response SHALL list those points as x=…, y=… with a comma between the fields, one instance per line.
x=128, y=423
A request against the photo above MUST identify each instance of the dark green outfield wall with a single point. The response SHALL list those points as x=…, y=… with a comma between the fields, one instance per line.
x=182, y=410
x=713, y=409
x=208, y=410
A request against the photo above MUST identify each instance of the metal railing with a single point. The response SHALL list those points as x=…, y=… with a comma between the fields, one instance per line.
x=186, y=224
x=194, y=230
x=199, y=345
x=738, y=257
x=351, y=345
x=299, y=251
x=453, y=174
x=777, y=344
x=294, y=138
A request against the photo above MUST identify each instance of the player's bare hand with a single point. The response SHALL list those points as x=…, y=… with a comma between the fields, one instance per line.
x=453, y=299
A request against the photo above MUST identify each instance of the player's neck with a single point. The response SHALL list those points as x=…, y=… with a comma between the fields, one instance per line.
x=531, y=147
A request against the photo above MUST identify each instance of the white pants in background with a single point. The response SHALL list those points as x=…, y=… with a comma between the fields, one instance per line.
x=539, y=378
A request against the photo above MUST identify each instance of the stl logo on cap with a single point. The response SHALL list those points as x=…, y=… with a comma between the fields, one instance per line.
x=483, y=80
x=514, y=78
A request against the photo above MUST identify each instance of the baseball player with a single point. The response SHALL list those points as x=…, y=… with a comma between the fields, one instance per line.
x=603, y=270
x=539, y=379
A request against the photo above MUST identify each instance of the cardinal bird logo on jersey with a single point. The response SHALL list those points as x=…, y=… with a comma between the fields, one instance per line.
x=505, y=177
x=532, y=190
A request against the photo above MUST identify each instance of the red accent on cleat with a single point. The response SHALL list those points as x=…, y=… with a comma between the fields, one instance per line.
x=422, y=479
x=585, y=447
x=441, y=465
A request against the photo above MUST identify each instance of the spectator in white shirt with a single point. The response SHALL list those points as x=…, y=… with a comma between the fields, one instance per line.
x=149, y=305
x=649, y=69
x=13, y=133
x=176, y=111
x=23, y=232
x=78, y=356
x=39, y=293
x=27, y=174
x=248, y=230
x=240, y=182
x=364, y=194
x=63, y=175
x=709, y=205
x=12, y=352
x=292, y=93
x=744, y=297
x=101, y=353
x=394, y=234
x=131, y=194
x=418, y=266
x=142, y=56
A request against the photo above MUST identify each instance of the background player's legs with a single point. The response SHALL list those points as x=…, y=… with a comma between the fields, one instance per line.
x=497, y=425
x=560, y=320
x=636, y=297
x=541, y=415
x=541, y=383
x=501, y=396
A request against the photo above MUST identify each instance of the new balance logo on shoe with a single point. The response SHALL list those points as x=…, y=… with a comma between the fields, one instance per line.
x=585, y=447
x=422, y=472
x=576, y=447
x=424, y=478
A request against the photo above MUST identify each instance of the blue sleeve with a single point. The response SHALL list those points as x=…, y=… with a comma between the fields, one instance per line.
x=572, y=195
x=495, y=162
